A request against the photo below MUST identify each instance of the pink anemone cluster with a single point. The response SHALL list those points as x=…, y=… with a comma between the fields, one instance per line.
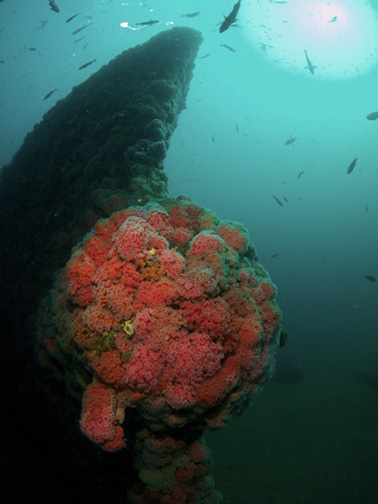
x=163, y=309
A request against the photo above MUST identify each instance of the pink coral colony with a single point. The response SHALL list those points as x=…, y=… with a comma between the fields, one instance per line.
x=168, y=312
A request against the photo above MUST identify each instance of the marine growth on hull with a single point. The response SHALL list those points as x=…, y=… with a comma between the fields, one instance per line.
x=153, y=318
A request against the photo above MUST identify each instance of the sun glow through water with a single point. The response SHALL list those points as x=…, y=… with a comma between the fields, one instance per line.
x=341, y=37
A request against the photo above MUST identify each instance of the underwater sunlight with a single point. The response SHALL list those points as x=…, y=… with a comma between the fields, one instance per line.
x=318, y=38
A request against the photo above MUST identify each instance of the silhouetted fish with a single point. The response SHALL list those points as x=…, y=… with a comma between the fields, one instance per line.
x=352, y=165
x=284, y=336
x=300, y=174
x=367, y=377
x=274, y=255
x=371, y=278
x=87, y=64
x=71, y=18
x=80, y=29
x=49, y=94
x=147, y=23
x=278, y=201
x=231, y=18
x=191, y=15
x=310, y=66
x=290, y=140
x=372, y=116
x=228, y=47
x=53, y=6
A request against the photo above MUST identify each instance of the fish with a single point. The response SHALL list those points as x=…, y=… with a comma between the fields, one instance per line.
x=278, y=201
x=351, y=166
x=147, y=23
x=284, y=197
x=71, y=18
x=290, y=140
x=213, y=138
x=231, y=18
x=228, y=47
x=366, y=376
x=54, y=6
x=333, y=19
x=372, y=116
x=367, y=208
x=371, y=278
x=309, y=64
x=49, y=94
x=205, y=56
x=237, y=128
x=80, y=29
x=32, y=48
x=263, y=47
x=300, y=174
x=43, y=23
x=274, y=255
x=284, y=335
x=191, y=15
x=87, y=64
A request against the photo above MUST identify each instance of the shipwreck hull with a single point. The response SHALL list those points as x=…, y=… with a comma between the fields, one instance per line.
x=131, y=321
x=96, y=151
